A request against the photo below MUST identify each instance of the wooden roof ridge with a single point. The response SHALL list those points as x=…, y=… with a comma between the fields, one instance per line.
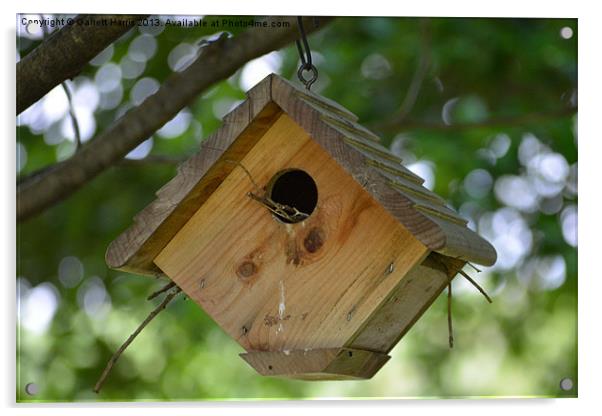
x=335, y=128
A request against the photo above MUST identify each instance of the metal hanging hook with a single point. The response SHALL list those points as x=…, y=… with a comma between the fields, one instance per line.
x=305, y=55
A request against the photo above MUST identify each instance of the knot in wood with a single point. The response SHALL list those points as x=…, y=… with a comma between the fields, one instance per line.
x=314, y=240
x=247, y=269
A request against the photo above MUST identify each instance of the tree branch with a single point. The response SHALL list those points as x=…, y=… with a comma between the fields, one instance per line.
x=65, y=53
x=217, y=61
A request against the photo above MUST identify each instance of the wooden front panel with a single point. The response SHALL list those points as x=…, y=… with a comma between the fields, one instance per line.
x=275, y=286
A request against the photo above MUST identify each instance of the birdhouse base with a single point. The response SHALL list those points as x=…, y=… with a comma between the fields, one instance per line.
x=317, y=364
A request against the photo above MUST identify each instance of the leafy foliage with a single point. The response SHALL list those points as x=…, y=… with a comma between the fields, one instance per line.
x=491, y=128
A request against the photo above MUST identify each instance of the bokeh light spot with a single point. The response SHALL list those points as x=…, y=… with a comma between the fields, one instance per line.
x=566, y=32
x=142, y=48
x=71, y=271
x=257, y=69
x=37, y=307
x=144, y=88
x=426, y=170
x=176, y=126
x=142, y=150
x=478, y=183
x=376, y=66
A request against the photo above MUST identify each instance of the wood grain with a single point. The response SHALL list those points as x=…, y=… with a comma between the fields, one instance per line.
x=317, y=364
x=275, y=286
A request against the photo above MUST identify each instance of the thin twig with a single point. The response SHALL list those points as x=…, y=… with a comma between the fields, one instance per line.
x=287, y=212
x=162, y=290
x=74, y=123
x=450, y=330
x=237, y=163
x=475, y=284
x=131, y=338
x=424, y=62
x=474, y=267
x=449, y=295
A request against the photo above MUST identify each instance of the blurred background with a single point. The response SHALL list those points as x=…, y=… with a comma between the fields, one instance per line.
x=483, y=109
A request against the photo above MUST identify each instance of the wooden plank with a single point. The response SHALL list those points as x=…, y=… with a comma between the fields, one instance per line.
x=416, y=292
x=463, y=243
x=424, y=199
x=442, y=212
x=317, y=364
x=265, y=282
x=331, y=108
x=323, y=103
x=135, y=249
x=406, y=304
x=366, y=146
x=415, y=191
x=397, y=169
x=350, y=128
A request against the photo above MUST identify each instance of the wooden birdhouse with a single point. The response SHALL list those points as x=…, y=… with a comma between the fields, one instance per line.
x=308, y=242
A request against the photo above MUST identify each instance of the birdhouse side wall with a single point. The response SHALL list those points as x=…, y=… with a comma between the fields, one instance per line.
x=406, y=303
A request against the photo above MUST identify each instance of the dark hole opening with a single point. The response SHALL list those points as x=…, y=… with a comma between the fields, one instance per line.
x=296, y=189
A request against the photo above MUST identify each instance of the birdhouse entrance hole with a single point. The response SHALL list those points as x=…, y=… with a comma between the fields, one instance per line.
x=296, y=189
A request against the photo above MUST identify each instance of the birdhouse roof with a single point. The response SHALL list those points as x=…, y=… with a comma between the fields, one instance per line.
x=355, y=148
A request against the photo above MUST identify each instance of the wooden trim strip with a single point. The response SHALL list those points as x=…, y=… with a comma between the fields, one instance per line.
x=370, y=148
x=400, y=171
x=419, y=192
x=351, y=128
x=331, y=107
x=449, y=216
